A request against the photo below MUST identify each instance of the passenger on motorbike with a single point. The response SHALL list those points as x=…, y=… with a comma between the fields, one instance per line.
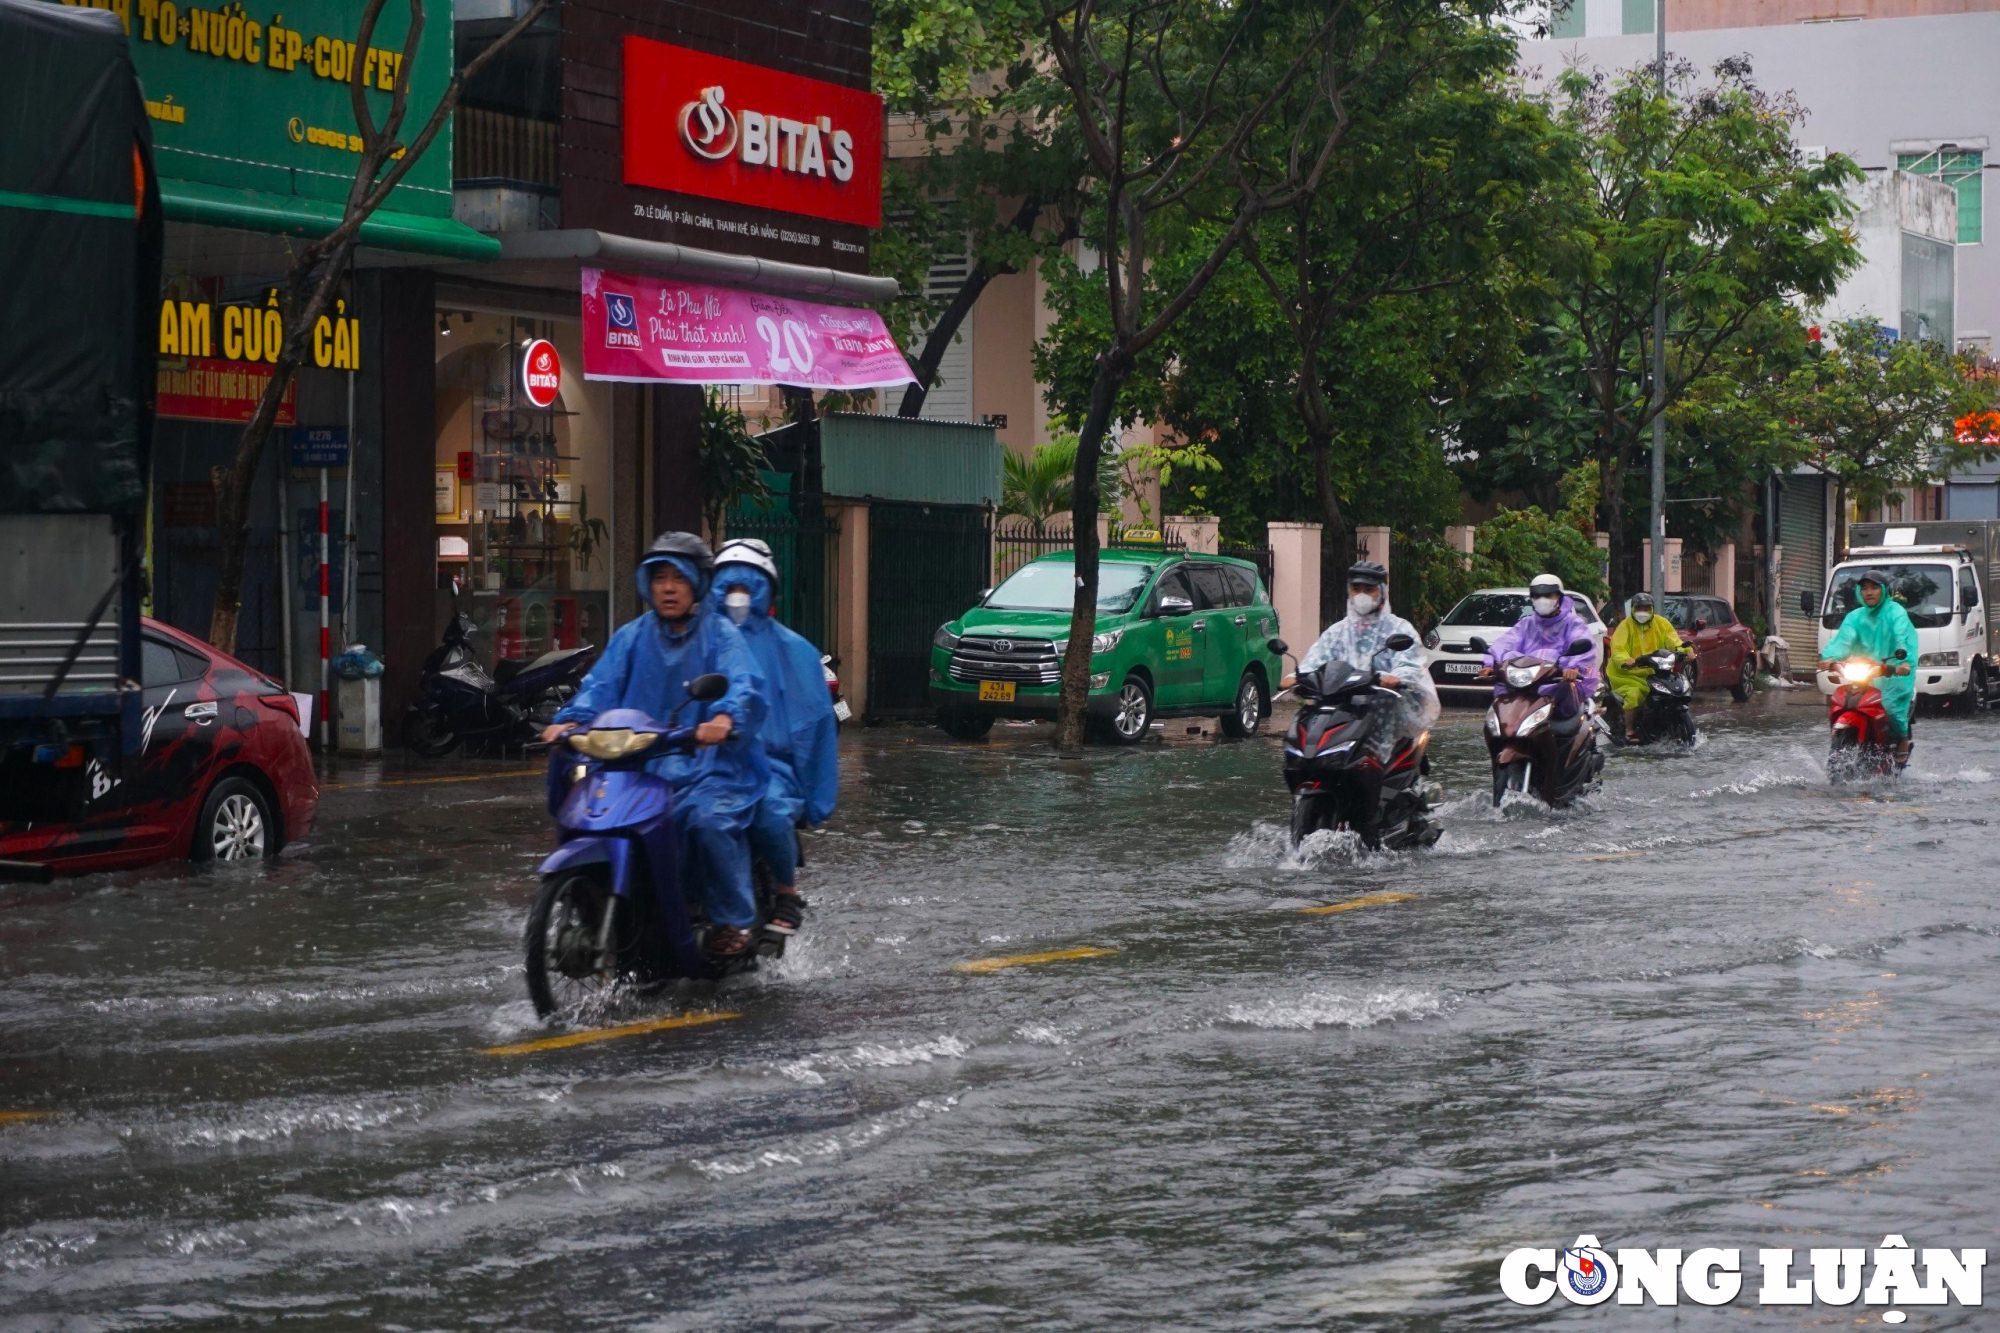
x=799, y=732
x=1875, y=630
x=1361, y=638
x=646, y=666
x=1548, y=629
x=1641, y=634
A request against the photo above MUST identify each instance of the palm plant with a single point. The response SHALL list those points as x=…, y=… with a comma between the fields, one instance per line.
x=1038, y=486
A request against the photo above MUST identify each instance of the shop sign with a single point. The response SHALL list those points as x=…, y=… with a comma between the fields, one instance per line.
x=541, y=373
x=319, y=446
x=259, y=98
x=255, y=333
x=692, y=333
x=722, y=129
x=205, y=389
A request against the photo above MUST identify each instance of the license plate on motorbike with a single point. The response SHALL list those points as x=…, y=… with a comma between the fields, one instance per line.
x=1461, y=668
x=996, y=691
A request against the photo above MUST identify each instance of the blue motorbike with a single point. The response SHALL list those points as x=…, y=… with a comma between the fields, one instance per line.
x=615, y=905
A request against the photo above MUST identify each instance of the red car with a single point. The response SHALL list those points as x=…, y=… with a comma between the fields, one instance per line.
x=222, y=774
x=1725, y=651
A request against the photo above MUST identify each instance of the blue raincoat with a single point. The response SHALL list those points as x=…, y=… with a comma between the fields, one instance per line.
x=799, y=732
x=716, y=787
x=1876, y=635
x=1361, y=639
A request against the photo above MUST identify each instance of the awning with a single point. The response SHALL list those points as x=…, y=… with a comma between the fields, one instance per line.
x=629, y=254
x=289, y=215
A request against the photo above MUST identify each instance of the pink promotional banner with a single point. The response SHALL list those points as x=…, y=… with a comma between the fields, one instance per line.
x=651, y=329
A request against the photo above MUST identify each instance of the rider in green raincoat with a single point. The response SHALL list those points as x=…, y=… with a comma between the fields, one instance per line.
x=1875, y=630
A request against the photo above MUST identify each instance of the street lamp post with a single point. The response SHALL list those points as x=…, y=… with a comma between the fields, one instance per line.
x=1657, y=580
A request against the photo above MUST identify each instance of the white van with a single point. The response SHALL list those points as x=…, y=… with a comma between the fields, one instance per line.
x=1942, y=586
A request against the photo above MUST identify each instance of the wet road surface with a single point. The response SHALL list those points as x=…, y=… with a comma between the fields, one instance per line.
x=1726, y=1004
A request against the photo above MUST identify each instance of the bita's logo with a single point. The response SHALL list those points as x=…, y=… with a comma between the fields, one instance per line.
x=621, y=321
x=541, y=373
x=708, y=128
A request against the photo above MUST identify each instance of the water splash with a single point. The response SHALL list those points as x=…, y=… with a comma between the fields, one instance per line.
x=1321, y=1009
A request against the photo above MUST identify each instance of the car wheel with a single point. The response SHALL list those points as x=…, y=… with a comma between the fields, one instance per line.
x=1242, y=724
x=1746, y=680
x=1128, y=726
x=235, y=824
x=967, y=726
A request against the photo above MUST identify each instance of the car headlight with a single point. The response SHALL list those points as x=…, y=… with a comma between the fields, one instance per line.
x=944, y=638
x=612, y=743
x=1100, y=680
x=1431, y=640
x=1947, y=659
x=1521, y=677
x=1492, y=722
x=1105, y=642
x=1536, y=718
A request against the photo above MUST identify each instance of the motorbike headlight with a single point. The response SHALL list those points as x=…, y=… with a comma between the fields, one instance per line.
x=1492, y=723
x=944, y=638
x=1945, y=659
x=1105, y=642
x=1521, y=677
x=1855, y=673
x=611, y=743
x=1536, y=718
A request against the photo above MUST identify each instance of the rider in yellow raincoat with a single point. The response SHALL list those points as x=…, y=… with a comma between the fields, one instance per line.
x=1639, y=635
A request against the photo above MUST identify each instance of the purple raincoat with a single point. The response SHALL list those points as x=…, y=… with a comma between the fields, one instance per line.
x=1546, y=637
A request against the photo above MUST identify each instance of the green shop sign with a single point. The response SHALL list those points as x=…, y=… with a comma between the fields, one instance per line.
x=253, y=125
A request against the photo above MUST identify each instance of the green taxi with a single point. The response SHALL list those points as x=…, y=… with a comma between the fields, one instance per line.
x=1177, y=636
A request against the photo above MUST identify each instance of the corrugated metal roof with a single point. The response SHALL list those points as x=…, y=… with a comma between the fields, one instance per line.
x=899, y=458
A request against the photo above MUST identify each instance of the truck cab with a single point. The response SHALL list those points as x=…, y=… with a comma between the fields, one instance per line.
x=1945, y=588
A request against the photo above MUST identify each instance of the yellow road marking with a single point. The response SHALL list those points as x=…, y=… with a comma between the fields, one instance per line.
x=1023, y=959
x=19, y=1117
x=1614, y=856
x=418, y=782
x=606, y=1034
x=1365, y=900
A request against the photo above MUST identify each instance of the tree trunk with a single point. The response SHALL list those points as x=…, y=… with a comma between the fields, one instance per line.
x=1840, y=518
x=938, y=340
x=233, y=483
x=1611, y=520
x=1336, y=552
x=1112, y=368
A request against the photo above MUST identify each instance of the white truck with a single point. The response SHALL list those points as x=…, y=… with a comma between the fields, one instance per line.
x=1943, y=572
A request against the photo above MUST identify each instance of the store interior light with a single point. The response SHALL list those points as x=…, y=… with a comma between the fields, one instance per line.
x=444, y=326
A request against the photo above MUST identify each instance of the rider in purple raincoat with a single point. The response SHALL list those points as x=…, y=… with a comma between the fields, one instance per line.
x=1549, y=628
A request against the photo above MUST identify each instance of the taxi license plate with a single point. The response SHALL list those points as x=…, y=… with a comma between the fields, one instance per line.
x=996, y=691
x=1461, y=668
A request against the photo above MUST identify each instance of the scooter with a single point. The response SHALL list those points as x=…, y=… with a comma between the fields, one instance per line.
x=841, y=712
x=1861, y=747
x=1531, y=751
x=615, y=903
x=1666, y=713
x=460, y=703
x=1338, y=774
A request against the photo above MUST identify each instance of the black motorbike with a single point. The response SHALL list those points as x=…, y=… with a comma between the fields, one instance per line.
x=1532, y=750
x=461, y=704
x=1666, y=713
x=1344, y=771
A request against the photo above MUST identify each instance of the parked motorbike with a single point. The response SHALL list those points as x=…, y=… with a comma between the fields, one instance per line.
x=1531, y=751
x=460, y=703
x=616, y=903
x=1667, y=712
x=1343, y=773
x=1860, y=747
x=841, y=712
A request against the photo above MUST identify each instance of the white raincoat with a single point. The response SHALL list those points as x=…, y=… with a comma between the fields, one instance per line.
x=1361, y=640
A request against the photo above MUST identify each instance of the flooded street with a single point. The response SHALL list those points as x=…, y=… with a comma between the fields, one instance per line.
x=1724, y=1004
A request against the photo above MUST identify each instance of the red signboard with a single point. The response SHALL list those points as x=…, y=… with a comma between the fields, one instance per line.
x=722, y=129
x=541, y=373
x=203, y=388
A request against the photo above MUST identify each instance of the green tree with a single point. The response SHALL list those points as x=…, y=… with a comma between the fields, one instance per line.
x=1876, y=415
x=1040, y=485
x=732, y=461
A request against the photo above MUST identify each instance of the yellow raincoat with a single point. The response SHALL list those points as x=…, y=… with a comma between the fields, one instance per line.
x=1633, y=640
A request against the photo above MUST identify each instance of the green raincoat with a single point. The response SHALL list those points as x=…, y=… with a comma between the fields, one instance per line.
x=1876, y=635
x=1633, y=640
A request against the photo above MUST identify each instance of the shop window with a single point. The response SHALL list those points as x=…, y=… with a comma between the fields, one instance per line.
x=1961, y=169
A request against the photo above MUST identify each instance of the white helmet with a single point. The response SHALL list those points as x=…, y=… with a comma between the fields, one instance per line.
x=747, y=551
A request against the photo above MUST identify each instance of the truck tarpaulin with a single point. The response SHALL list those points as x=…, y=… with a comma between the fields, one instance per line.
x=80, y=243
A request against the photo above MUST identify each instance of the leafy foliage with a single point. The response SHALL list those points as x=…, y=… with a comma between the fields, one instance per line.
x=1038, y=486
x=732, y=461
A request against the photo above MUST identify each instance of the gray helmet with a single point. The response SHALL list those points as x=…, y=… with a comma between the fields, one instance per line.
x=681, y=546
x=1369, y=573
x=1642, y=601
x=1879, y=577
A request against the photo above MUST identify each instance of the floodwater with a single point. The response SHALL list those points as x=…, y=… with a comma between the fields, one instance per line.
x=1723, y=1004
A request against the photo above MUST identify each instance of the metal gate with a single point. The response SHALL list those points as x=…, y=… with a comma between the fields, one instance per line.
x=1802, y=567
x=926, y=565
x=799, y=533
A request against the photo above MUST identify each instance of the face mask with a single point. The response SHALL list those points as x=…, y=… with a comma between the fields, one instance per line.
x=738, y=606
x=1546, y=606
x=1363, y=603
x=1643, y=617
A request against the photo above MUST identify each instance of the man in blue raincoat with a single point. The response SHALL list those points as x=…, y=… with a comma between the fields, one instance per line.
x=647, y=666
x=799, y=733
x=1875, y=630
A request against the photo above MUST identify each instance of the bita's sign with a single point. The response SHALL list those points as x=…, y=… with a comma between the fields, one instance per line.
x=703, y=125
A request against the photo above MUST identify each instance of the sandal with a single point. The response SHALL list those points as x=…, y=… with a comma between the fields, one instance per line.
x=788, y=913
x=727, y=941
